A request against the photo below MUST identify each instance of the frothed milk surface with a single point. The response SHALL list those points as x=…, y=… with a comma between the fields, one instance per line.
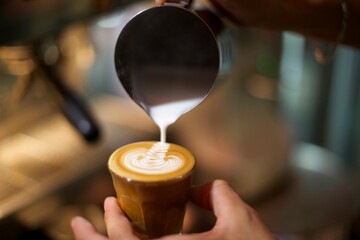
x=151, y=161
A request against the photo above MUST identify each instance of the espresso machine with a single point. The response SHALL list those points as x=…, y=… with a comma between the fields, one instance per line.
x=30, y=35
x=54, y=135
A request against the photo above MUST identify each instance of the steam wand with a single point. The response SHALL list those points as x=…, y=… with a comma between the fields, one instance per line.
x=72, y=105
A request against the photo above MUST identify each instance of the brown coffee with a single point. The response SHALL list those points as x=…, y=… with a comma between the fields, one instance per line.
x=152, y=182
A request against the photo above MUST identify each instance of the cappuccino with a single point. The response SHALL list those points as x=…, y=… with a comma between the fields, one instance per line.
x=152, y=182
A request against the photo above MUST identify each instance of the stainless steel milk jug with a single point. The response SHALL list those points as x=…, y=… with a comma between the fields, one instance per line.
x=171, y=53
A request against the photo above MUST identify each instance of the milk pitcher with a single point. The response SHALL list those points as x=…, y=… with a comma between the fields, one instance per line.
x=172, y=53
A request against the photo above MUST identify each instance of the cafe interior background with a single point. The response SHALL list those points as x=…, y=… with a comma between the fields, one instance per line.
x=280, y=127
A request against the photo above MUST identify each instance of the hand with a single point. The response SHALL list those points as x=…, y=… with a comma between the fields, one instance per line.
x=235, y=219
x=247, y=12
x=317, y=19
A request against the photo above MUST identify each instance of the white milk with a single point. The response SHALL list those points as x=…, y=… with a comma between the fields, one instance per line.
x=166, y=114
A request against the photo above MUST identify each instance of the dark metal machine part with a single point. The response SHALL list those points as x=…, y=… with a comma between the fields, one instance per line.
x=74, y=108
x=25, y=20
x=31, y=22
x=166, y=54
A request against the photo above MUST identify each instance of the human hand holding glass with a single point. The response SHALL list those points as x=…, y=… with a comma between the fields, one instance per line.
x=234, y=218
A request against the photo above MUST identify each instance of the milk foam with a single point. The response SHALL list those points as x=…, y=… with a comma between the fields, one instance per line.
x=152, y=161
x=166, y=114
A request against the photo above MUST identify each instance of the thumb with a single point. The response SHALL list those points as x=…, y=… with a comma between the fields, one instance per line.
x=225, y=203
x=214, y=196
x=224, y=200
x=234, y=216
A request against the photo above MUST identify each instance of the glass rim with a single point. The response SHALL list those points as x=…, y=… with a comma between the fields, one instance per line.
x=154, y=182
x=135, y=179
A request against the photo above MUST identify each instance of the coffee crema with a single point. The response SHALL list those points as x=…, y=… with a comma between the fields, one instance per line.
x=151, y=161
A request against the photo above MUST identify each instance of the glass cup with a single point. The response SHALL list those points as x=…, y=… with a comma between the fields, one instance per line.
x=152, y=182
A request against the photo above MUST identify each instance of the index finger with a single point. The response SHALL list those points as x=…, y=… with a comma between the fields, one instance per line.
x=117, y=224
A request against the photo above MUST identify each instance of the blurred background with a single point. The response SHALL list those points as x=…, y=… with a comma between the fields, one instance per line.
x=280, y=127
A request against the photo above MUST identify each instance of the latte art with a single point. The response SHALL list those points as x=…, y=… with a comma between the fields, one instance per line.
x=152, y=161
